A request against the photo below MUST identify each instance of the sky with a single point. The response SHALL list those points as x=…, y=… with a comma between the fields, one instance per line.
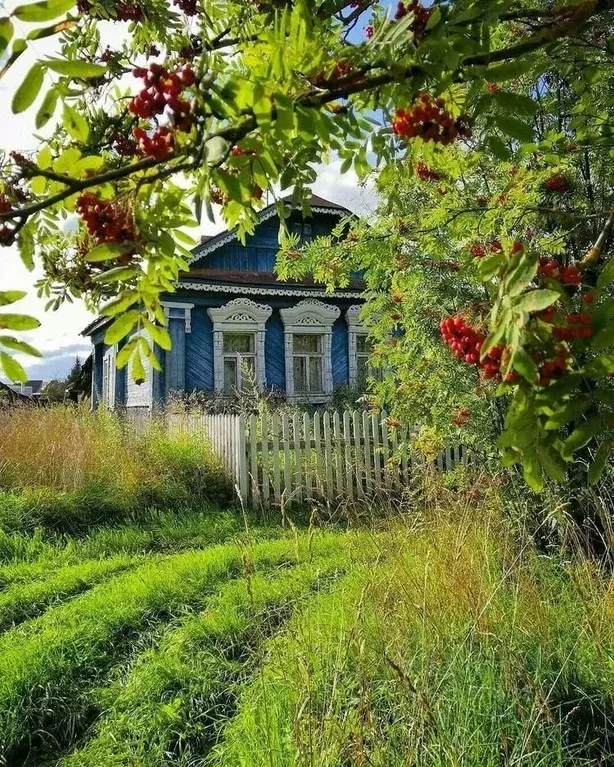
x=58, y=338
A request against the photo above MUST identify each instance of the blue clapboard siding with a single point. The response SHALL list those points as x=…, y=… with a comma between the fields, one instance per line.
x=341, y=372
x=199, y=351
x=274, y=352
x=175, y=359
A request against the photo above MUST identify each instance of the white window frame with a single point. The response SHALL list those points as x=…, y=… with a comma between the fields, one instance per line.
x=239, y=316
x=307, y=317
x=177, y=310
x=109, y=377
x=355, y=329
x=239, y=357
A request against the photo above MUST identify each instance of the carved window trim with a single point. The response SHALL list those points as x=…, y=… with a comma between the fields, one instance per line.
x=310, y=316
x=178, y=310
x=109, y=378
x=355, y=328
x=241, y=315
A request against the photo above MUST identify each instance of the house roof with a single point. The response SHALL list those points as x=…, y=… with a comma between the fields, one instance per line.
x=316, y=203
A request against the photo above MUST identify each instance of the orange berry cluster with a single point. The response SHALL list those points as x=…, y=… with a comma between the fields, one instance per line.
x=551, y=269
x=558, y=184
x=187, y=6
x=6, y=233
x=425, y=173
x=466, y=343
x=429, y=120
x=123, y=11
x=549, y=369
x=462, y=417
x=421, y=16
x=105, y=220
x=578, y=326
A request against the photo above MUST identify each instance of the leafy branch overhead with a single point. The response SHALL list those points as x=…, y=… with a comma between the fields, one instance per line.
x=498, y=116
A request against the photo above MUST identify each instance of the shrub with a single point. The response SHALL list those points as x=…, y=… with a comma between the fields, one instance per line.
x=66, y=469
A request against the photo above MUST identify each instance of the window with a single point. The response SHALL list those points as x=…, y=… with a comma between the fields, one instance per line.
x=307, y=363
x=308, y=332
x=239, y=354
x=108, y=378
x=239, y=328
x=363, y=355
x=303, y=231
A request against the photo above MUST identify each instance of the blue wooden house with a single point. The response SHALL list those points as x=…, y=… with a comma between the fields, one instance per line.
x=231, y=319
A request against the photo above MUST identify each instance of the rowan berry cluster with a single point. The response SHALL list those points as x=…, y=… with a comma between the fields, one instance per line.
x=125, y=146
x=218, y=197
x=159, y=145
x=421, y=16
x=187, y=6
x=549, y=369
x=558, y=184
x=462, y=417
x=551, y=269
x=106, y=221
x=164, y=89
x=425, y=173
x=578, y=326
x=430, y=120
x=466, y=343
x=124, y=11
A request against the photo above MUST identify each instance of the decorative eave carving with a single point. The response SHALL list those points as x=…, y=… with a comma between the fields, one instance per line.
x=272, y=291
x=241, y=310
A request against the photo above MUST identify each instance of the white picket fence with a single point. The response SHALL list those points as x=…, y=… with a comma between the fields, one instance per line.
x=351, y=455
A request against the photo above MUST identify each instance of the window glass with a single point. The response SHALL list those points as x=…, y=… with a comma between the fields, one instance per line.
x=300, y=374
x=230, y=374
x=315, y=374
x=308, y=343
x=239, y=342
x=363, y=345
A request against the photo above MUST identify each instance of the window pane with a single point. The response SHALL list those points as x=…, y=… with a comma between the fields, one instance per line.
x=315, y=374
x=363, y=345
x=239, y=342
x=300, y=374
x=307, y=343
x=230, y=374
x=362, y=369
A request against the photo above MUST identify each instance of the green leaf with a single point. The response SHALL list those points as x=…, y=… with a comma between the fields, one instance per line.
x=118, y=305
x=10, y=296
x=523, y=269
x=508, y=71
x=565, y=414
x=600, y=366
x=600, y=461
x=523, y=364
x=19, y=346
x=580, y=437
x=159, y=335
x=516, y=103
x=606, y=276
x=14, y=371
x=536, y=300
x=533, y=474
x=45, y=10
x=124, y=354
x=47, y=108
x=6, y=33
x=66, y=160
x=45, y=158
x=498, y=147
x=75, y=124
x=107, y=251
x=18, y=322
x=121, y=327
x=552, y=463
x=604, y=338
x=81, y=70
x=119, y=273
x=29, y=89
x=138, y=371
x=515, y=128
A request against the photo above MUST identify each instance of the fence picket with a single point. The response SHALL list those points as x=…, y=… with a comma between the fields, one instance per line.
x=347, y=438
x=287, y=477
x=338, y=457
x=319, y=483
x=253, y=446
x=242, y=460
x=385, y=452
x=296, y=426
x=328, y=457
x=276, y=470
x=395, y=469
x=358, y=462
x=376, y=453
x=264, y=425
x=308, y=462
x=367, y=453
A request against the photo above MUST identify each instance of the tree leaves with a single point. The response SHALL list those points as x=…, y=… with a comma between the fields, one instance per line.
x=29, y=89
x=515, y=128
x=108, y=251
x=13, y=370
x=600, y=461
x=79, y=70
x=75, y=124
x=45, y=10
x=11, y=296
x=19, y=346
x=121, y=327
x=580, y=437
x=6, y=33
x=47, y=108
x=18, y=322
x=536, y=300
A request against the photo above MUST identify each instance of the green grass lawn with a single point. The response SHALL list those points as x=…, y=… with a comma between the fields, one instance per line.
x=198, y=640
